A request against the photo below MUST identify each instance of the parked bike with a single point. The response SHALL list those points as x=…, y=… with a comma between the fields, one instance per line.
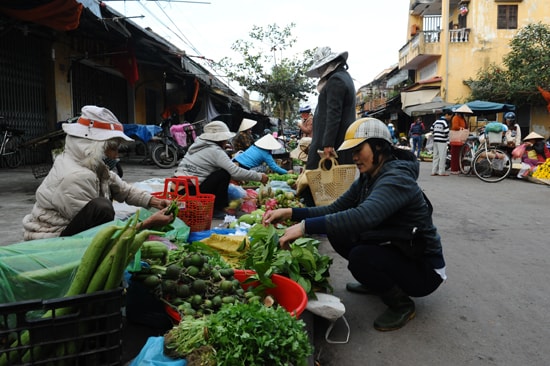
x=10, y=147
x=167, y=152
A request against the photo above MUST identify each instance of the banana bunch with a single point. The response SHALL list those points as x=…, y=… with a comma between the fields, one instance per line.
x=543, y=170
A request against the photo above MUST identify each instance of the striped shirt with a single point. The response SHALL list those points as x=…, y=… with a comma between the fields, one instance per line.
x=440, y=129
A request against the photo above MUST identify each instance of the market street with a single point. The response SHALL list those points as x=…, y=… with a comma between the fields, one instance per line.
x=493, y=309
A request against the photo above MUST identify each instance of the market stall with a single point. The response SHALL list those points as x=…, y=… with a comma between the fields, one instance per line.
x=197, y=279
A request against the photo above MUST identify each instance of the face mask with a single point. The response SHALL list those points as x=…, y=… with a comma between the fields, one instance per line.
x=111, y=163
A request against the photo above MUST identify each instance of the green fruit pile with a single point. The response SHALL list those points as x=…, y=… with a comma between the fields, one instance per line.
x=195, y=287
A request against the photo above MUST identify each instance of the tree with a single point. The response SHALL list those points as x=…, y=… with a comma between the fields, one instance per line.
x=280, y=81
x=524, y=68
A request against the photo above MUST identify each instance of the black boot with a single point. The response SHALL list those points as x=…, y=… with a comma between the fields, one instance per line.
x=400, y=310
x=359, y=288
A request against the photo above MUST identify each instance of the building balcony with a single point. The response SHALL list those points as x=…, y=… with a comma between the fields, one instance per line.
x=426, y=46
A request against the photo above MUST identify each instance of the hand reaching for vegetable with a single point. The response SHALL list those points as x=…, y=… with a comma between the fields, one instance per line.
x=275, y=216
x=292, y=233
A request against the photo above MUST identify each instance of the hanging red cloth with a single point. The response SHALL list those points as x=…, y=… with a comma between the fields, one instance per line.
x=61, y=15
x=182, y=108
x=126, y=63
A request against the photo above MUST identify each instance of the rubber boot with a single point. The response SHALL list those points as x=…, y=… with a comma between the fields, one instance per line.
x=359, y=288
x=400, y=310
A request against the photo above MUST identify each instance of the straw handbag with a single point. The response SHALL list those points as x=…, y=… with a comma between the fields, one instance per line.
x=458, y=137
x=327, y=184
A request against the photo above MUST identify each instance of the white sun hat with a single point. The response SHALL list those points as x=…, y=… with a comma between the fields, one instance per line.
x=247, y=124
x=268, y=142
x=216, y=131
x=96, y=123
x=323, y=56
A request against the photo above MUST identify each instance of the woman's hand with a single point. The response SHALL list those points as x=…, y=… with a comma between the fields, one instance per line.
x=264, y=179
x=159, y=203
x=156, y=220
x=275, y=216
x=292, y=233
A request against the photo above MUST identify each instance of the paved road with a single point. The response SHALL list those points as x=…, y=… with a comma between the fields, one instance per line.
x=493, y=309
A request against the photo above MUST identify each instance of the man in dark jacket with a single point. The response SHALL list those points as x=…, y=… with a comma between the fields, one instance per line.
x=335, y=107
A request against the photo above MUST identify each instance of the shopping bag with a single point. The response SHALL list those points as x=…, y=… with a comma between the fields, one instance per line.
x=328, y=183
x=458, y=137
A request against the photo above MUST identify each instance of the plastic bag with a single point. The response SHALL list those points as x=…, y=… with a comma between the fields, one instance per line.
x=152, y=354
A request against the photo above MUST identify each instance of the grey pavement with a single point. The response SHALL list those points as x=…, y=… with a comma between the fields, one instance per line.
x=492, y=310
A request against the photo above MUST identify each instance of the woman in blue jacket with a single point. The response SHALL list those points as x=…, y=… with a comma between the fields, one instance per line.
x=259, y=153
x=382, y=225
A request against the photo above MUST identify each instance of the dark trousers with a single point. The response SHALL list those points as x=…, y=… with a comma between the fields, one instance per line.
x=217, y=184
x=96, y=212
x=381, y=267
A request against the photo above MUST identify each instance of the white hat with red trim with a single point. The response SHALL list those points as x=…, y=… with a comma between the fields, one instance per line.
x=96, y=123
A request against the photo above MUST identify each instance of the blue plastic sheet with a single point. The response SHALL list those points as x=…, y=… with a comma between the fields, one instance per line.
x=199, y=235
x=143, y=132
x=152, y=354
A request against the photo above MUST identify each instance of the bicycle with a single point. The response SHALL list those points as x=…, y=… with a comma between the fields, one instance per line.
x=10, y=148
x=467, y=154
x=492, y=164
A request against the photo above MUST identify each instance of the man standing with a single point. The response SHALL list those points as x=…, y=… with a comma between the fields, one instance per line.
x=415, y=133
x=440, y=130
x=306, y=124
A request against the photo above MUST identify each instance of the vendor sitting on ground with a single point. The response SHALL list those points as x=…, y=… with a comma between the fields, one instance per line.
x=259, y=153
x=208, y=161
x=244, y=138
x=77, y=193
x=534, y=154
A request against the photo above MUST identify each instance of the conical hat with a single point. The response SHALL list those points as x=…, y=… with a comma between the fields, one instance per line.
x=533, y=136
x=268, y=142
x=464, y=109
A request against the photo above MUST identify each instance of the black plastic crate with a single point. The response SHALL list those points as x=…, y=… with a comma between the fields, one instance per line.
x=91, y=334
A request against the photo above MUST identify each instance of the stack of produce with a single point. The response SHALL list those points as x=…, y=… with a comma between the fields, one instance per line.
x=101, y=268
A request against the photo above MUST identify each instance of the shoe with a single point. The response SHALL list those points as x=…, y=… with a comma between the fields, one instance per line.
x=444, y=175
x=434, y=175
x=359, y=288
x=219, y=214
x=400, y=310
x=455, y=173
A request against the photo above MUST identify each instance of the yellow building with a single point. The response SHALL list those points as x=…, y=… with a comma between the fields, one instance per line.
x=449, y=41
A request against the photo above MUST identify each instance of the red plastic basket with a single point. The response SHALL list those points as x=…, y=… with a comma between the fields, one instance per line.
x=195, y=210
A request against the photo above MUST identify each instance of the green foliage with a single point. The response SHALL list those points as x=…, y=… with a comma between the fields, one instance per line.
x=263, y=68
x=302, y=262
x=266, y=336
x=525, y=67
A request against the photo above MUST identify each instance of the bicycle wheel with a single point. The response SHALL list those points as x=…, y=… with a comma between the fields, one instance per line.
x=492, y=165
x=466, y=158
x=12, y=154
x=164, y=156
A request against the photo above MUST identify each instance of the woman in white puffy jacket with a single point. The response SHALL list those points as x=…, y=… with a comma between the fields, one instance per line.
x=78, y=191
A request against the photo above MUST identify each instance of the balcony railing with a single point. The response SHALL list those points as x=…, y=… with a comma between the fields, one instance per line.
x=459, y=35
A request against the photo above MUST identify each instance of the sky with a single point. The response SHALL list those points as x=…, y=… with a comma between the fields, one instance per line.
x=371, y=31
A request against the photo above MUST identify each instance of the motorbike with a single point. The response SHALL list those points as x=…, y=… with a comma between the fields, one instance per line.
x=167, y=152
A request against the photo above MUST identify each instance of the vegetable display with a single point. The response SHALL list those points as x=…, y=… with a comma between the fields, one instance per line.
x=241, y=335
x=101, y=268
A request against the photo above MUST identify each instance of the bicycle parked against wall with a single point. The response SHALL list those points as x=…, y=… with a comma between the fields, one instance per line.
x=492, y=164
x=10, y=151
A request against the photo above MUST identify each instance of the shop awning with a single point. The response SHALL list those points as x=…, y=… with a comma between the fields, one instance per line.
x=418, y=97
x=432, y=107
